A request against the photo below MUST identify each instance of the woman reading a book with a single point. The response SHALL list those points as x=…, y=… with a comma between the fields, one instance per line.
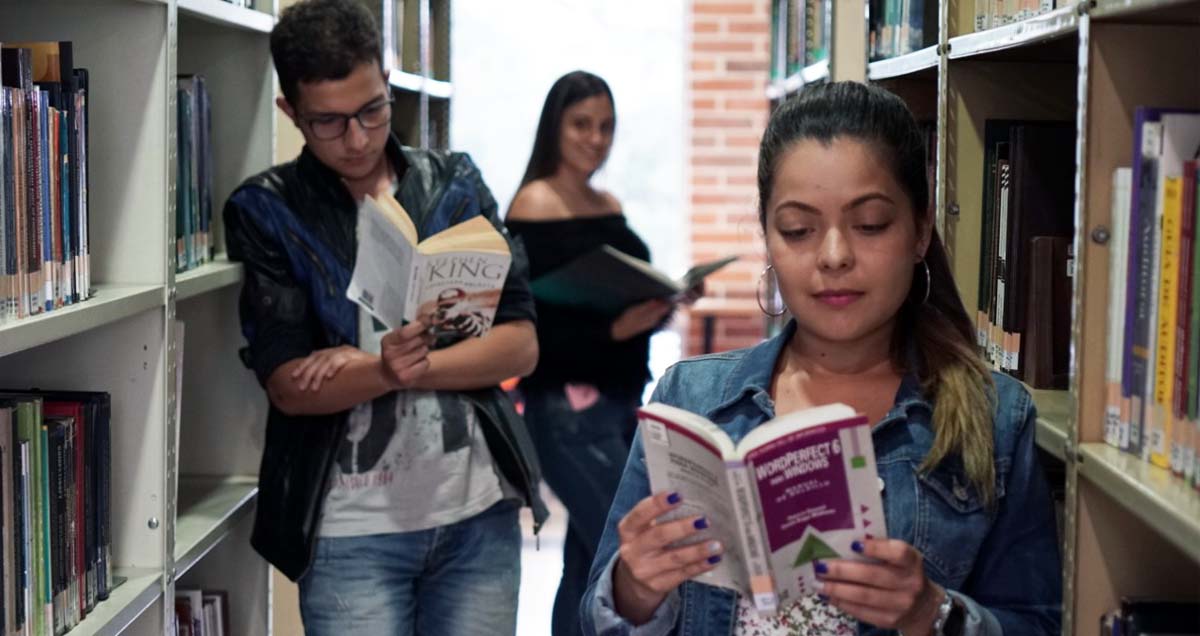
x=971, y=546
x=581, y=401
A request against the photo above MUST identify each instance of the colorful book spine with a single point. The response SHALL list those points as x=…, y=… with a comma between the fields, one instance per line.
x=1159, y=433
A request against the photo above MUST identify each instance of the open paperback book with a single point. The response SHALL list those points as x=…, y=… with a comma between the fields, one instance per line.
x=451, y=281
x=797, y=489
x=608, y=280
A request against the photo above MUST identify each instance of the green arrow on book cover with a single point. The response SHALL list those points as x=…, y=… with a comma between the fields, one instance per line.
x=814, y=548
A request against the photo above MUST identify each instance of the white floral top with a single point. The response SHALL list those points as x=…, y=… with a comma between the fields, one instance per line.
x=808, y=616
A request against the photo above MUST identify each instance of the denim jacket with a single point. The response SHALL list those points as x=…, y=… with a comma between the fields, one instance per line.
x=1002, y=562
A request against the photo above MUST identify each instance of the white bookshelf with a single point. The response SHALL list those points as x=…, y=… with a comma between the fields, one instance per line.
x=908, y=64
x=183, y=489
x=218, y=274
x=1131, y=529
x=109, y=303
x=227, y=15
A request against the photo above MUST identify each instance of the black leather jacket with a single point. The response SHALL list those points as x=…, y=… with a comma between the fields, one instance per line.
x=293, y=228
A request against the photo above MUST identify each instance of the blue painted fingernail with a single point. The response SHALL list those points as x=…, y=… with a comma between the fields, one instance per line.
x=714, y=559
x=673, y=498
x=821, y=568
x=824, y=599
x=700, y=523
x=857, y=547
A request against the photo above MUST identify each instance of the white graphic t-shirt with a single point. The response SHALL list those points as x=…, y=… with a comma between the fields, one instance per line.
x=412, y=460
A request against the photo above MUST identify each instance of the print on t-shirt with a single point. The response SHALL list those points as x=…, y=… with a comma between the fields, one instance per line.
x=369, y=434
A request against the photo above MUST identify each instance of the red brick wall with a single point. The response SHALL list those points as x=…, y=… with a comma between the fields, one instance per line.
x=728, y=55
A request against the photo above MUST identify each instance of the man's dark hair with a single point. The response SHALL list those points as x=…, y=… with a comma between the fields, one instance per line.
x=317, y=40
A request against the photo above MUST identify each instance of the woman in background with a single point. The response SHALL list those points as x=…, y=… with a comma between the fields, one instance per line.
x=581, y=401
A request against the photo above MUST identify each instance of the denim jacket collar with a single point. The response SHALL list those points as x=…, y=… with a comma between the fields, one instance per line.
x=751, y=379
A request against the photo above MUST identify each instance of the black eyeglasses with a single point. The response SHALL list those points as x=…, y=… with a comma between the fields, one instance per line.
x=333, y=126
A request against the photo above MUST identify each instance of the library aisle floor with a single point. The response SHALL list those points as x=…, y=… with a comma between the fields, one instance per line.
x=541, y=568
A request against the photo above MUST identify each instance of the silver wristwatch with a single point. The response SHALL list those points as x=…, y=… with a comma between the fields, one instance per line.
x=943, y=613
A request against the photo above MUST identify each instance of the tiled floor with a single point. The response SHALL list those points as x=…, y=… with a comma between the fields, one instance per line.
x=541, y=568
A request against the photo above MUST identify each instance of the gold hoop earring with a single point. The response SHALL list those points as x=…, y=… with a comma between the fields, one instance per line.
x=758, y=293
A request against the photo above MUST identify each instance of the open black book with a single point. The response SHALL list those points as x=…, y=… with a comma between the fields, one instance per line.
x=609, y=280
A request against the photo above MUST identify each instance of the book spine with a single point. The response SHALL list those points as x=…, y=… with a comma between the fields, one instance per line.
x=1114, y=419
x=45, y=533
x=1164, y=355
x=1183, y=332
x=46, y=205
x=1142, y=274
x=1000, y=341
x=1191, y=172
x=758, y=570
x=21, y=536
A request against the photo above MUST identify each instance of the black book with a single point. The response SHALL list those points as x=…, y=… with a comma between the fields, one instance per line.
x=1143, y=617
x=1042, y=204
x=608, y=280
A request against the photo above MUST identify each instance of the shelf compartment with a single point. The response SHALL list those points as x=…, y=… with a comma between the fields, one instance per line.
x=208, y=508
x=218, y=274
x=908, y=64
x=109, y=303
x=1049, y=26
x=142, y=587
x=1151, y=493
x=439, y=89
x=794, y=82
x=403, y=81
x=1053, y=414
x=226, y=14
x=1148, y=11
x=413, y=83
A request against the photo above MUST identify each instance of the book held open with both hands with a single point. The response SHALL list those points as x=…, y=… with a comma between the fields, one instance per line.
x=797, y=489
x=450, y=281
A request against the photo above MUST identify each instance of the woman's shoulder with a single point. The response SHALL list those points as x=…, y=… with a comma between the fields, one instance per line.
x=536, y=201
x=610, y=203
x=1014, y=412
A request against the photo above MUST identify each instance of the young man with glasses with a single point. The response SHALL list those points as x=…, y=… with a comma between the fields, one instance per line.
x=393, y=466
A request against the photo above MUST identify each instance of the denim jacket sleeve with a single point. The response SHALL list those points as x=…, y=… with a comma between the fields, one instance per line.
x=597, y=610
x=1016, y=584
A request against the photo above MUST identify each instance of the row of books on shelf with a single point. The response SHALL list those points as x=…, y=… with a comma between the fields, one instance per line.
x=44, y=220
x=1153, y=365
x=55, y=494
x=900, y=27
x=994, y=13
x=193, y=189
x=201, y=613
x=1151, y=617
x=801, y=31
x=1023, y=316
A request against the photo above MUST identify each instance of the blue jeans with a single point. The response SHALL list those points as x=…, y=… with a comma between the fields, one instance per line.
x=456, y=580
x=582, y=454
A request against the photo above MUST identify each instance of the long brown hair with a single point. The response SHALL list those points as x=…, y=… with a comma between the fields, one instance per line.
x=953, y=376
